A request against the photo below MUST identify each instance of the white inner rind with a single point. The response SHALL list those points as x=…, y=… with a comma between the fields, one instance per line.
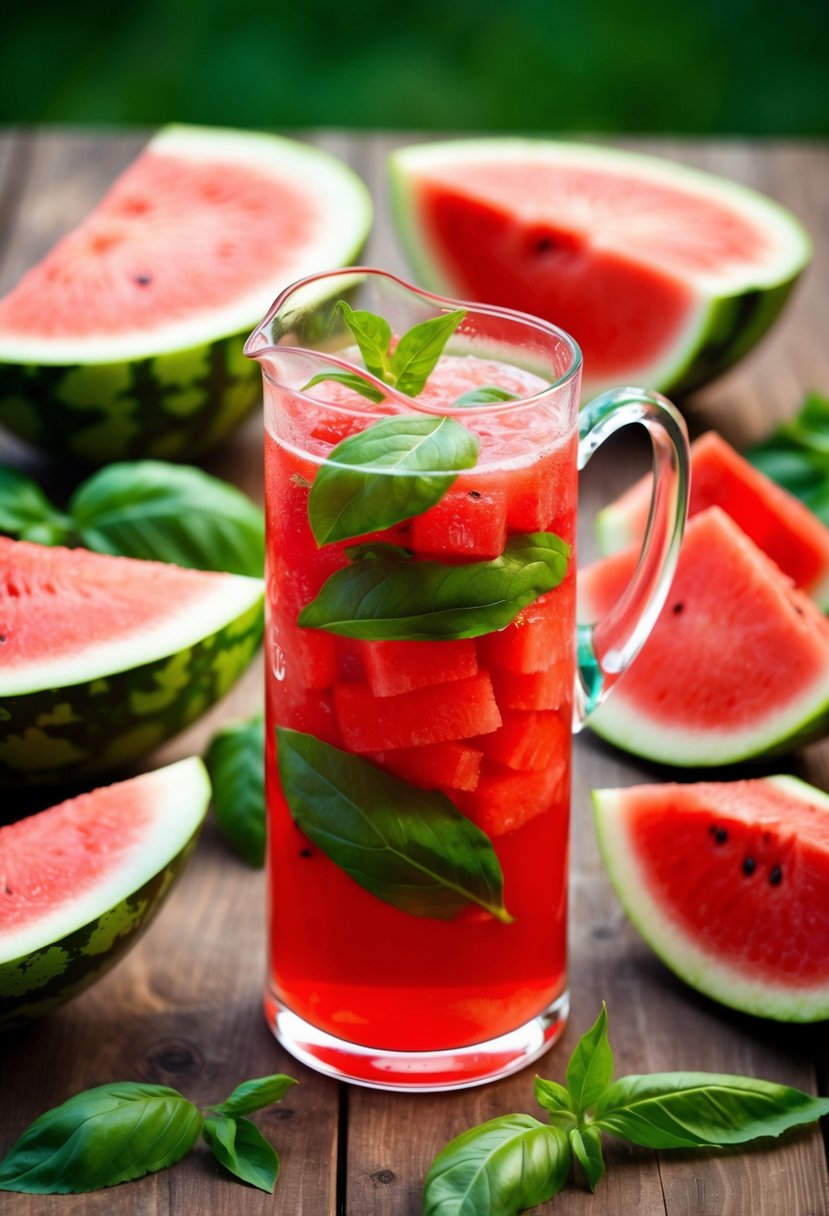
x=188, y=622
x=676, y=948
x=178, y=796
x=340, y=201
x=789, y=247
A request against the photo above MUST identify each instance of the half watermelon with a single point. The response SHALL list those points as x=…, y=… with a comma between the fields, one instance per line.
x=778, y=523
x=737, y=664
x=664, y=275
x=729, y=884
x=80, y=882
x=103, y=658
x=126, y=340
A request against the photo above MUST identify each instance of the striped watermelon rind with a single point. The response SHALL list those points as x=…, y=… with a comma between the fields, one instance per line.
x=59, y=957
x=691, y=958
x=179, y=390
x=728, y=317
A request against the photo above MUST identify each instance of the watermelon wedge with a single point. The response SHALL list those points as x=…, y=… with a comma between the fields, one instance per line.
x=126, y=339
x=778, y=523
x=80, y=882
x=664, y=275
x=103, y=658
x=736, y=666
x=728, y=882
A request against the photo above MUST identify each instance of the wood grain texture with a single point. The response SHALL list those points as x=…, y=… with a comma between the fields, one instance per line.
x=184, y=1007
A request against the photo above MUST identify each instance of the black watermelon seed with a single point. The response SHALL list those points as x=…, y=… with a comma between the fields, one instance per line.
x=143, y=280
x=776, y=876
x=544, y=244
x=677, y=608
x=306, y=852
x=2, y=637
x=474, y=493
x=749, y=866
x=720, y=835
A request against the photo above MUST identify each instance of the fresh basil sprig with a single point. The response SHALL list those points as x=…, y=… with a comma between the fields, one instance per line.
x=513, y=1162
x=114, y=1133
x=146, y=509
x=485, y=394
x=387, y=597
x=796, y=456
x=396, y=468
x=237, y=775
x=407, y=846
x=409, y=365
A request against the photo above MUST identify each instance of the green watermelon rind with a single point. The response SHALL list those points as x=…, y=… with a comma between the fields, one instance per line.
x=62, y=960
x=177, y=393
x=675, y=948
x=726, y=322
x=66, y=732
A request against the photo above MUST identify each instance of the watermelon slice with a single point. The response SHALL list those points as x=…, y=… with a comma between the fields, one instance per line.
x=103, y=658
x=663, y=275
x=729, y=884
x=776, y=521
x=126, y=340
x=736, y=666
x=80, y=882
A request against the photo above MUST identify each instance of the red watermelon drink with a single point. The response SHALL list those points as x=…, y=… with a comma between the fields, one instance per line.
x=421, y=671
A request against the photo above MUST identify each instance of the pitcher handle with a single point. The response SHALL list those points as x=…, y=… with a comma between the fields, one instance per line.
x=607, y=647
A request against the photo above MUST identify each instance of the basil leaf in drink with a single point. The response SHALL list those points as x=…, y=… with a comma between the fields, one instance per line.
x=392, y=599
x=497, y=1169
x=698, y=1109
x=170, y=513
x=555, y=1099
x=409, y=847
x=350, y=380
x=237, y=775
x=586, y=1143
x=100, y=1137
x=240, y=1147
x=373, y=337
x=419, y=349
x=255, y=1094
x=396, y=468
x=25, y=511
x=485, y=394
x=590, y=1069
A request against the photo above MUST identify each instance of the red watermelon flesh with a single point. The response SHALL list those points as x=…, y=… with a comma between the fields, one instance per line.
x=452, y=765
x=440, y=713
x=776, y=521
x=729, y=883
x=737, y=664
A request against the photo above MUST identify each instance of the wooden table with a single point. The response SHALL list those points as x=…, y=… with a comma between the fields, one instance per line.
x=184, y=1007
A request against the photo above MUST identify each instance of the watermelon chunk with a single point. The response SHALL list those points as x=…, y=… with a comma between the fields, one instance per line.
x=80, y=882
x=538, y=637
x=548, y=689
x=308, y=656
x=736, y=666
x=527, y=741
x=438, y=714
x=776, y=521
x=466, y=522
x=397, y=667
x=664, y=275
x=505, y=800
x=451, y=765
x=729, y=883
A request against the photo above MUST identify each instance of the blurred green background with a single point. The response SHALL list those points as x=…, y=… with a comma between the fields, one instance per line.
x=733, y=66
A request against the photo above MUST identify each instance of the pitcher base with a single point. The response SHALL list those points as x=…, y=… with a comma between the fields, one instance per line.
x=420, y=1071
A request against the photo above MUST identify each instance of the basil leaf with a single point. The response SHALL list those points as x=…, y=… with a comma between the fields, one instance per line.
x=699, y=1109
x=100, y=1137
x=373, y=336
x=796, y=455
x=497, y=1169
x=409, y=847
x=586, y=1143
x=169, y=513
x=419, y=349
x=237, y=774
x=390, y=599
x=350, y=380
x=590, y=1069
x=240, y=1147
x=255, y=1094
x=555, y=1099
x=25, y=511
x=396, y=468
x=485, y=394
